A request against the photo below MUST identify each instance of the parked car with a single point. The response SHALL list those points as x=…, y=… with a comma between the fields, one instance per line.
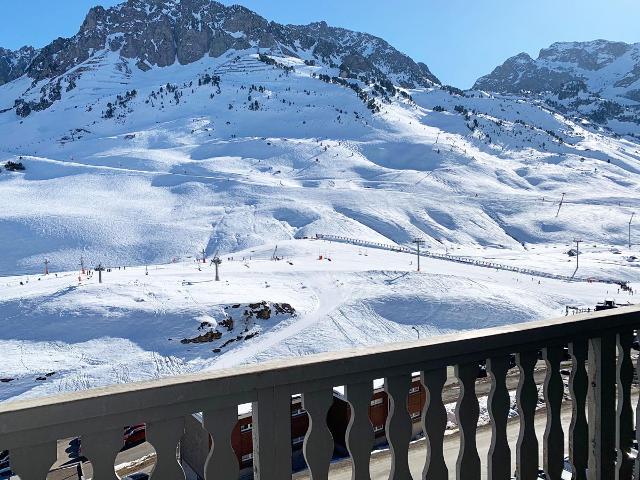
x=137, y=476
x=5, y=470
x=134, y=435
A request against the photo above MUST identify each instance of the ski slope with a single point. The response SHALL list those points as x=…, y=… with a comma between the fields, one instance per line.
x=168, y=176
x=85, y=334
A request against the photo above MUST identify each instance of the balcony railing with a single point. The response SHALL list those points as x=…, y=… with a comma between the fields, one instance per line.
x=599, y=437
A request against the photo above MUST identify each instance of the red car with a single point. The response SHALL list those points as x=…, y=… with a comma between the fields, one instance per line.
x=134, y=435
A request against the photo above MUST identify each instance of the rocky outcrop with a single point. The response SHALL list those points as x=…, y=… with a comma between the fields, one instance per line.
x=563, y=63
x=521, y=74
x=14, y=63
x=598, y=80
x=158, y=33
x=241, y=322
x=338, y=45
x=590, y=56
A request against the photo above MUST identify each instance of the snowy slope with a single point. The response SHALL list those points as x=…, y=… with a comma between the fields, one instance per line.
x=62, y=334
x=164, y=178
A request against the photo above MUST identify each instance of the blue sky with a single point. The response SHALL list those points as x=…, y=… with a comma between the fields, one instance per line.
x=460, y=40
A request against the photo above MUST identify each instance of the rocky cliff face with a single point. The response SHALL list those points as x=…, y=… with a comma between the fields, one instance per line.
x=599, y=79
x=14, y=63
x=158, y=33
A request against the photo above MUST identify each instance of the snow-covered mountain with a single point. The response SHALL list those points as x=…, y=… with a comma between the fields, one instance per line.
x=159, y=33
x=598, y=80
x=14, y=63
x=234, y=132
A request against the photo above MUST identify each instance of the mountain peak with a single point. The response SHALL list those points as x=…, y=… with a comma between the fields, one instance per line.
x=157, y=33
x=13, y=63
x=598, y=80
x=592, y=55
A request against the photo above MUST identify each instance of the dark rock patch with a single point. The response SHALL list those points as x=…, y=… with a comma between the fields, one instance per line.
x=208, y=337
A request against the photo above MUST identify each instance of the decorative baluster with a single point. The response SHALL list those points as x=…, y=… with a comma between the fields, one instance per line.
x=434, y=423
x=165, y=435
x=636, y=465
x=360, y=436
x=222, y=461
x=499, y=404
x=553, y=393
x=272, y=435
x=101, y=449
x=398, y=426
x=33, y=462
x=602, y=406
x=467, y=414
x=318, y=443
x=527, y=399
x=578, y=431
x=624, y=417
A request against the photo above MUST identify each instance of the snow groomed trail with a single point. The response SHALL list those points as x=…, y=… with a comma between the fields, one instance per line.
x=327, y=299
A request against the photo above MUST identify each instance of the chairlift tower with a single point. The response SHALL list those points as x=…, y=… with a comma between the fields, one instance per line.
x=577, y=242
x=46, y=267
x=560, y=206
x=217, y=261
x=631, y=220
x=100, y=269
x=418, y=242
